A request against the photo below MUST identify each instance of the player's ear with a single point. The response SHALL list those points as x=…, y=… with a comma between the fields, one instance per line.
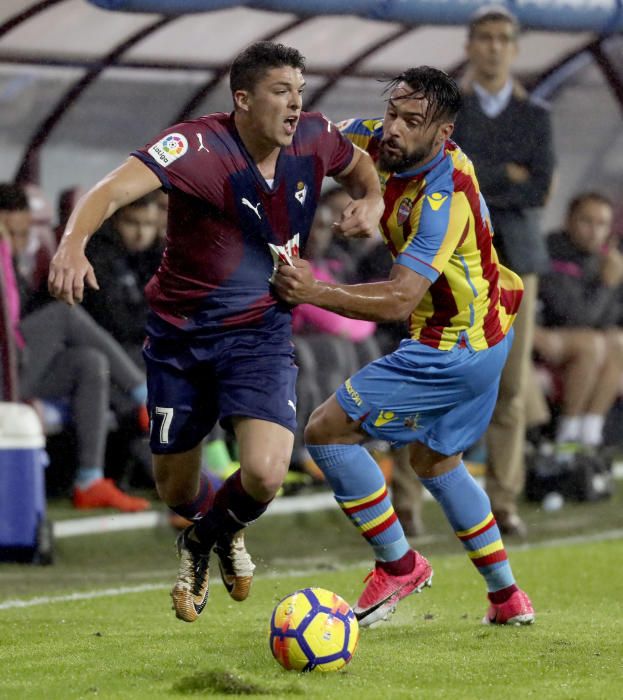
x=445, y=131
x=241, y=100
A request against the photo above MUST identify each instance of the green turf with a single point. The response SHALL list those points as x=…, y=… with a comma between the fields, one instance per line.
x=278, y=543
x=130, y=646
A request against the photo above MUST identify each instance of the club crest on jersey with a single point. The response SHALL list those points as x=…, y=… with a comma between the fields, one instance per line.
x=412, y=422
x=284, y=254
x=168, y=149
x=404, y=210
x=301, y=192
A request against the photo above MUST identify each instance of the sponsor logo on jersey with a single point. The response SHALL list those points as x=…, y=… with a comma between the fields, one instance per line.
x=254, y=208
x=168, y=149
x=354, y=395
x=404, y=210
x=201, y=147
x=301, y=193
x=436, y=200
x=292, y=405
x=283, y=254
x=383, y=418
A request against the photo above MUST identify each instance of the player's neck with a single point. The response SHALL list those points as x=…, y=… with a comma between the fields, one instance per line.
x=263, y=152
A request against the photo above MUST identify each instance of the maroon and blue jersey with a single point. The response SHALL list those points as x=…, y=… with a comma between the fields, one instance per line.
x=227, y=227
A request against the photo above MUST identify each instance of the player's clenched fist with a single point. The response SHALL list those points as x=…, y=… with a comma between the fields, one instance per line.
x=360, y=218
x=295, y=283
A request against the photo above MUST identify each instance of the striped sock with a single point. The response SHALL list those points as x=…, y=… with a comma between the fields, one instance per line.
x=360, y=490
x=468, y=509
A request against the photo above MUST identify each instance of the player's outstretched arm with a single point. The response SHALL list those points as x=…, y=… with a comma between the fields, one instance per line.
x=360, y=218
x=391, y=300
x=69, y=267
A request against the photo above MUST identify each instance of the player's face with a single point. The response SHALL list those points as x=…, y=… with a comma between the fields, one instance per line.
x=410, y=139
x=274, y=105
x=590, y=225
x=137, y=226
x=492, y=49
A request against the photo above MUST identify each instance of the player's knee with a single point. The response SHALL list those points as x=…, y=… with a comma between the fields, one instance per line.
x=263, y=485
x=318, y=428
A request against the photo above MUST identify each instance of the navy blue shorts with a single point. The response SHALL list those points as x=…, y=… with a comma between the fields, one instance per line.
x=444, y=399
x=193, y=383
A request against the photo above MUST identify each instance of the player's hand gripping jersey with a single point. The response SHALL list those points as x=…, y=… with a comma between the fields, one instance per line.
x=227, y=226
x=436, y=222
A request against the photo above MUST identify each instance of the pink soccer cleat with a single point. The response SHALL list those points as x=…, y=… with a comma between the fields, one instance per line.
x=517, y=610
x=383, y=592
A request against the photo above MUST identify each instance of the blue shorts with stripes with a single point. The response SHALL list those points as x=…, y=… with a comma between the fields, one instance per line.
x=443, y=399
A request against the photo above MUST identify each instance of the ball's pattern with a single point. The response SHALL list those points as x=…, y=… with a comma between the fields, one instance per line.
x=313, y=630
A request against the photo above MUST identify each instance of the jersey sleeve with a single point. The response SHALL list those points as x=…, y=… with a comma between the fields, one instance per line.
x=439, y=221
x=361, y=131
x=335, y=150
x=177, y=158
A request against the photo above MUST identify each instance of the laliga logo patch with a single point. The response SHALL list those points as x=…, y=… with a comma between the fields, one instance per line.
x=168, y=149
x=301, y=193
x=404, y=210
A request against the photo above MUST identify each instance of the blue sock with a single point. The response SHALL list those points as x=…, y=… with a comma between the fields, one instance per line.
x=139, y=394
x=85, y=477
x=468, y=509
x=359, y=488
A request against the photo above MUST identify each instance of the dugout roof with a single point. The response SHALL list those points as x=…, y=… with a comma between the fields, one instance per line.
x=81, y=86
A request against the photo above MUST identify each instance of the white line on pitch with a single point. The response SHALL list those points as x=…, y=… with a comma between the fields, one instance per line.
x=123, y=590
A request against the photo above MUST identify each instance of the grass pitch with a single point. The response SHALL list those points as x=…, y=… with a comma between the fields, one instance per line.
x=129, y=645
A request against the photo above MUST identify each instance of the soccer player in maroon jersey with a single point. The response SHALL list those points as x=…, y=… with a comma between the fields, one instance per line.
x=437, y=390
x=243, y=189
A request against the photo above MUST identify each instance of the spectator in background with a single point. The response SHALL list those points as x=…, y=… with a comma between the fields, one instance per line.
x=581, y=305
x=126, y=253
x=330, y=263
x=508, y=137
x=67, y=200
x=65, y=355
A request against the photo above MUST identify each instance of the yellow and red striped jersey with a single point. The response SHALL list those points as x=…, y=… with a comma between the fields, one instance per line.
x=436, y=222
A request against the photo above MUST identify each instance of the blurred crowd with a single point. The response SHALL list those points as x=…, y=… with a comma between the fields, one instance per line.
x=81, y=367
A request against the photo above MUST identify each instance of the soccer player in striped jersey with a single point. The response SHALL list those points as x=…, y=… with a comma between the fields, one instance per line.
x=243, y=189
x=437, y=391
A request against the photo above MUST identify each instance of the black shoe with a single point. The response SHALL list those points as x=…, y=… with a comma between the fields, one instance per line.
x=190, y=593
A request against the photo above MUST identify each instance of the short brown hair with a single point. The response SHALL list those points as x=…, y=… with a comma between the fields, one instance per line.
x=490, y=13
x=590, y=196
x=252, y=64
